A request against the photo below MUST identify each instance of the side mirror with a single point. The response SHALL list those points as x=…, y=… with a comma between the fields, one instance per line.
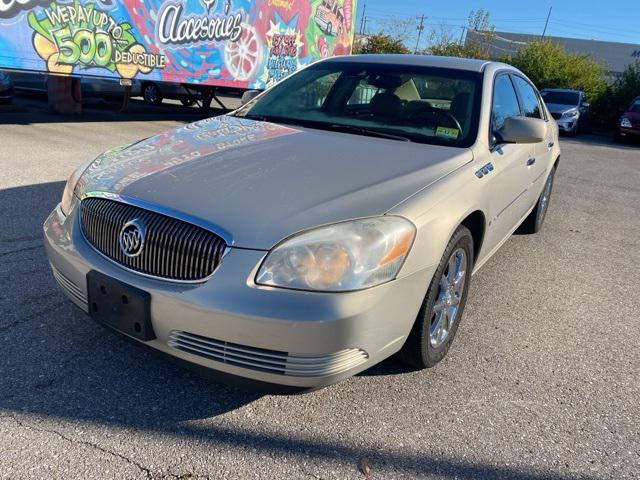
x=523, y=130
x=249, y=95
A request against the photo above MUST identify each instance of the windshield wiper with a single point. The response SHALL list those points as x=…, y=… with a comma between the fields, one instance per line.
x=366, y=131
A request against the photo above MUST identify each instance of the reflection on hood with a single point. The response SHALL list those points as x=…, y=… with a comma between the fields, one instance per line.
x=117, y=168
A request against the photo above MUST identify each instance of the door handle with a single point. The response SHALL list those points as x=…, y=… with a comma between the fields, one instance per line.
x=531, y=161
x=550, y=145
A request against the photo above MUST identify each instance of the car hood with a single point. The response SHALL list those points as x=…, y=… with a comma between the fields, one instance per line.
x=559, y=108
x=633, y=116
x=260, y=182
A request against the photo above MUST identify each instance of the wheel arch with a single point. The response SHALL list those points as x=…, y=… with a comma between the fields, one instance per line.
x=476, y=223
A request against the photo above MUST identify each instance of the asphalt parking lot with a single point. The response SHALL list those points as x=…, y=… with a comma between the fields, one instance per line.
x=543, y=380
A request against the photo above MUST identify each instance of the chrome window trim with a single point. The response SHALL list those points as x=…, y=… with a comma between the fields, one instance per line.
x=162, y=211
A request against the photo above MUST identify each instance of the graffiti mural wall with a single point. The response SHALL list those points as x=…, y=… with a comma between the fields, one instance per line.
x=233, y=43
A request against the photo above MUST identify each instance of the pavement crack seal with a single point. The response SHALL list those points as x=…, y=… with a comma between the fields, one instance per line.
x=20, y=250
x=26, y=238
x=147, y=472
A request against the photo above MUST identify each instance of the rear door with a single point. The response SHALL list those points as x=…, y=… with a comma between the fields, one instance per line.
x=507, y=182
x=532, y=107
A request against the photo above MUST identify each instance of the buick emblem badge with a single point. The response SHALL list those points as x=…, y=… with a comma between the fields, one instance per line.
x=132, y=238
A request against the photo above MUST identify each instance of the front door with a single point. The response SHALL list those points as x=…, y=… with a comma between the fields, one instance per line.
x=508, y=182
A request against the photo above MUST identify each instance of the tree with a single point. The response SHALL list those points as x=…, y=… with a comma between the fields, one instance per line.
x=549, y=66
x=379, y=43
x=605, y=110
x=444, y=42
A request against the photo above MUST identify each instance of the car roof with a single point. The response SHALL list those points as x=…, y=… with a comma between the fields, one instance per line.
x=561, y=90
x=469, y=64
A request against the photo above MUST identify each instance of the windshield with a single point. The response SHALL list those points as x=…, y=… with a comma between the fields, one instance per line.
x=417, y=104
x=635, y=106
x=560, y=98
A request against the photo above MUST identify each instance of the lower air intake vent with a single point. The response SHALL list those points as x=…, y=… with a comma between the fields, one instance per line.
x=271, y=361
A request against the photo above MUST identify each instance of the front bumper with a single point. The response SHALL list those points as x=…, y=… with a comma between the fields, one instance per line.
x=567, y=124
x=629, y=132
x=229, y=324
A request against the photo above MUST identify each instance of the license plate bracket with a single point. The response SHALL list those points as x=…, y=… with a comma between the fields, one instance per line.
x=120, y=306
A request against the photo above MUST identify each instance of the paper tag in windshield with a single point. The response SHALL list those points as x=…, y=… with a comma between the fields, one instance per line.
x=447, y=132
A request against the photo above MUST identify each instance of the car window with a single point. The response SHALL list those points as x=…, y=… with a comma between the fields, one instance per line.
x=315, y=93
x=419, y=104
x=560, y=98
x=505, y=102
x=635, y=106
x=530, y=104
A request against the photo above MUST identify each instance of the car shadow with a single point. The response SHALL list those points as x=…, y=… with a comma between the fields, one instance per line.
x=57, y=365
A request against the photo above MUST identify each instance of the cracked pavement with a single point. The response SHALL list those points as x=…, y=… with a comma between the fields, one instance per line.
x=542, y=381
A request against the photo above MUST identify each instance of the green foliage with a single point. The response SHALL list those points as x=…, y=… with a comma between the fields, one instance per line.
x=627, y=87
x=549, y=66
x=454, y=49
x=605, y=110
x=380, y=43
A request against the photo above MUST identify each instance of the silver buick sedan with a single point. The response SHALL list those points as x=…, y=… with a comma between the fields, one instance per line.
x=332, y=221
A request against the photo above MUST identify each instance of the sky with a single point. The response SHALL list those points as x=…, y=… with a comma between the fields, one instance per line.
x=611, y=20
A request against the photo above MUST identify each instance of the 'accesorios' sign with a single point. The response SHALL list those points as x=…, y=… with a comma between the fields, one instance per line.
x=238, y=43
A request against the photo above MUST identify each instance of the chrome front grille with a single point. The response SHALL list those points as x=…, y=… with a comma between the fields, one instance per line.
x=173, y=249
x=271, y=361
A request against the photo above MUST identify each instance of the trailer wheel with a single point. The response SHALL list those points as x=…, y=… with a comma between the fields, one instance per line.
x=151, y=94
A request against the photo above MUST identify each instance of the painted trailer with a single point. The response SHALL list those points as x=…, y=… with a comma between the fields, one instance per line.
x=205, y=45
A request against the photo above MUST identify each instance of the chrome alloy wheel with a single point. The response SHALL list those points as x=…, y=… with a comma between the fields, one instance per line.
x=446, y=306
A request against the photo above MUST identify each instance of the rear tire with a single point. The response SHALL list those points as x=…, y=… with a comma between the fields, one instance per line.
x=443, y=305
x=533, y=223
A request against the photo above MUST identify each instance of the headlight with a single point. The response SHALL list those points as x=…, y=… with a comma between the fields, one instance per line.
x=625, y=122
x=570, y=114
x=68, y=195
x=341, y=257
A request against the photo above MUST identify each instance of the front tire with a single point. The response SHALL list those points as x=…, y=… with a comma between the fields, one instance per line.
x=533, y=223
x=443, y=305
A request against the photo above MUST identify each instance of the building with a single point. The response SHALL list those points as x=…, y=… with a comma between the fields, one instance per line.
x=614, y=57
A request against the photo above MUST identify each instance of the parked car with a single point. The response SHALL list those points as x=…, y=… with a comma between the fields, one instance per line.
x=315, y=231
x=629, y=123
x=568, y=107
x=6, y=88
x=151, y=92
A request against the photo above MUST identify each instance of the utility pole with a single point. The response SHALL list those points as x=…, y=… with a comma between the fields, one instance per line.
x=364, y=30
x=464, y=29
x=546, y=24
x=420, y=29
x=364, y=15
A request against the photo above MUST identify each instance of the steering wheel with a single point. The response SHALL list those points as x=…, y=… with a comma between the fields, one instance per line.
x=435, y=112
